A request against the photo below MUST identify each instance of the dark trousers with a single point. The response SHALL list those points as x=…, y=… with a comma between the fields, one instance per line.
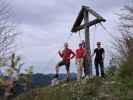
x=86, y=68
x=99, y=65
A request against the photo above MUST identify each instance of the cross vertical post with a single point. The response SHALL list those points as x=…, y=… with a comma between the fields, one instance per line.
x=87, y=40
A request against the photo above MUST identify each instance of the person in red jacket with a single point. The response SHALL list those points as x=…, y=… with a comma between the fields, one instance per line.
x=86, y=70
x=66, y=55
x=80, y=55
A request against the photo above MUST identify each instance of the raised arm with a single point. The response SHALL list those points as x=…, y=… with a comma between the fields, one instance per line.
x=73, y=54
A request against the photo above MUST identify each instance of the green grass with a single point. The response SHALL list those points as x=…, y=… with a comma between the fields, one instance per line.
x=94, y=89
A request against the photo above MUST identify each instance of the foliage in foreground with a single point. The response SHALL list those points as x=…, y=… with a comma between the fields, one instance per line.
x=124, y=44
x=94, y=89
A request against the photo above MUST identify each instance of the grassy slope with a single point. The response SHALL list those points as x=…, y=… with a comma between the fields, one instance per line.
x=95, y=89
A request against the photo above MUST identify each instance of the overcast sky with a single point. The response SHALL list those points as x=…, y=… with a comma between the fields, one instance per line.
x=45, y=25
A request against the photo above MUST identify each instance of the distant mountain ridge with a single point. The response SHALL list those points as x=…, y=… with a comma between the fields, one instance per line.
x=39, y=80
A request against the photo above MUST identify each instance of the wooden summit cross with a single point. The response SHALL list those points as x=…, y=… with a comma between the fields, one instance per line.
x=84, y=15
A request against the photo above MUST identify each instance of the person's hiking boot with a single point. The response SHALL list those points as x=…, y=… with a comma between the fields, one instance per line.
x=87, y=77
x=103, y=76
x=68, y=80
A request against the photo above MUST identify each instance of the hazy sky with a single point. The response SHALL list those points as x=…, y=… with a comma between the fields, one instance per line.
x=46, y=24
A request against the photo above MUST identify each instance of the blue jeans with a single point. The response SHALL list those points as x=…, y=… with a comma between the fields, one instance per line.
x=99, y=65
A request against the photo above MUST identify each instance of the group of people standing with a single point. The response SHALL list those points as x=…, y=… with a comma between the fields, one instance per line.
x=80, y=56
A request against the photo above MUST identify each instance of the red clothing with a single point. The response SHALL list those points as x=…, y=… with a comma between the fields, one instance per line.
x=80, y=53
x=66, y=55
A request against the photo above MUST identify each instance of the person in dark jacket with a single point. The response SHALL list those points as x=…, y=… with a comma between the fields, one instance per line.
x=99, y=53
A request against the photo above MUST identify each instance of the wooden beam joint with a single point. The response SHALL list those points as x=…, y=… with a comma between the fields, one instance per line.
x=94, y=22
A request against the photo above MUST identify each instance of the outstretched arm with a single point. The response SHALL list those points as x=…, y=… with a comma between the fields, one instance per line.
x=93, y=53
x=60, y=54
x=103, y=54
